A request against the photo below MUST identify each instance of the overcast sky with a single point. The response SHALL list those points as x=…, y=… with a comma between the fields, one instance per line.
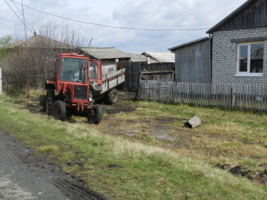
x=135, y=14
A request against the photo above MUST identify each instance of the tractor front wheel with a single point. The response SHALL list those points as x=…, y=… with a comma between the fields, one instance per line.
x=96, y=117
x=59, y=110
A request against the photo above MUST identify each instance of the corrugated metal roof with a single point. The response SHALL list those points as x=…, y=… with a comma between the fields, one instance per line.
x=229, y=17
x=188, y=43
x=137, y=57
x=41, y=41
x=161, y=57
x=104, y=52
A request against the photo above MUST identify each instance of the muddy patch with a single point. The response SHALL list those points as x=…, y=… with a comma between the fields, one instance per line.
x=257, y=177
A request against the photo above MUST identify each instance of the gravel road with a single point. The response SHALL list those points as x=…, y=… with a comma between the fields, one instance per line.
x=25, y=175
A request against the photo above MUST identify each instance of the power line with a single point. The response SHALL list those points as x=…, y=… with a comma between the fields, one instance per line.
x=109, y=26
x=22, y=15
x=18, y=17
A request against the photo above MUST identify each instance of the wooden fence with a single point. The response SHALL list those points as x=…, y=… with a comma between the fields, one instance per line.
x=228, y=96
x=20, y=82
x=133, y=69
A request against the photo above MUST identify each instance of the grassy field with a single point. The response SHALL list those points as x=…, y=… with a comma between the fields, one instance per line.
x=143, y=151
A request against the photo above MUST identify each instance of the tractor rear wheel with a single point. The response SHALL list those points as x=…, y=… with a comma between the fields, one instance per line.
x=50, y=96
x=59, y=110
x=113, y=96
x=97, y=116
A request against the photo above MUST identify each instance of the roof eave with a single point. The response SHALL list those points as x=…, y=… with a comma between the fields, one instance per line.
x=230, y=16
x=188, y=43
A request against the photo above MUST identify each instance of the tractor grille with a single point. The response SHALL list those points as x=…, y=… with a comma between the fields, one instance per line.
x=80, y=92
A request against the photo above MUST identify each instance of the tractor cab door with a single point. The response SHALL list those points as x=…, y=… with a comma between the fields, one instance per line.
x=95, y=71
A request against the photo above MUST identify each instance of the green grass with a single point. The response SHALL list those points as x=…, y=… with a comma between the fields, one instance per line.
x=142, y=169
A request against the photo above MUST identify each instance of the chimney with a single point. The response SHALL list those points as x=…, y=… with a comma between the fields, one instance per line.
x=34, y=33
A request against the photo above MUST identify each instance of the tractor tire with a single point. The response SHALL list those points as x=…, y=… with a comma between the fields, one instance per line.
x=59, y=110
x=112, y=96
x=97, y=116
x=50, y=96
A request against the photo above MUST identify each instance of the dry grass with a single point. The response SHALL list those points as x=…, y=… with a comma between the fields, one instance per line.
x=178, y=166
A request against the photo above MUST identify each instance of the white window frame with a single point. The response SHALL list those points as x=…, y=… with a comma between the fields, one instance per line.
x=248, y=73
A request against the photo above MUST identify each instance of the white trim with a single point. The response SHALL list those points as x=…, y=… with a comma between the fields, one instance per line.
x=248, y=73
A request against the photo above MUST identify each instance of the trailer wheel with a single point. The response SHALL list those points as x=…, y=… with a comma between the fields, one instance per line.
x=96, y=117
x=59, y=110
x=50, y=96
x=113, y=96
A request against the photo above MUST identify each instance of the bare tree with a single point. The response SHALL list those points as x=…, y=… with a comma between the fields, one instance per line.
x=35, y=56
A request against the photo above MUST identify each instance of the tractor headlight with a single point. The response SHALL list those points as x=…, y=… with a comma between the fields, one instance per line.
x=90, y=97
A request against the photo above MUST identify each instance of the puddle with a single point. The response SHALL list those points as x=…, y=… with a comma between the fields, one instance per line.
x=162, y=133
x=114, y=132
x=165, y=136
x=134, y=131
x=130, y=133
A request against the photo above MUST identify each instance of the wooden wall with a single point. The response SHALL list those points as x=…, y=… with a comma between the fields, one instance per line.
x=133, y=69
x=254, y=16
x=193, y=63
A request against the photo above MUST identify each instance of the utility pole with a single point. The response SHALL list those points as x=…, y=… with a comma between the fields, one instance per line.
x=23, y=19
x=90, y=42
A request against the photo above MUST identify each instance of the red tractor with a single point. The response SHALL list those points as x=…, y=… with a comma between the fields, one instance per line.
x=71, y=81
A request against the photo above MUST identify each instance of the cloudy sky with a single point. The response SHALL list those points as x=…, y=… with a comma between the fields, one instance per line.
x=132, y=26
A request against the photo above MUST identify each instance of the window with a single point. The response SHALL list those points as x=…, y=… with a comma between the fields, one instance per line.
x=250, y=59
x=72, y=69
x=94, y=70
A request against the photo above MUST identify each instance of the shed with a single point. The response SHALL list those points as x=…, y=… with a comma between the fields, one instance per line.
x=108, y=55
x=193, y=61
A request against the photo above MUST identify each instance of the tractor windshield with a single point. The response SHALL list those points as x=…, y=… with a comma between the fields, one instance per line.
x=72, y=69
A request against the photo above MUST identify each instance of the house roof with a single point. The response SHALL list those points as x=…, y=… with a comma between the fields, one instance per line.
x=231, y=16
x=188, y=43
x=104, y=52
x=41, y=41
x=160, y=57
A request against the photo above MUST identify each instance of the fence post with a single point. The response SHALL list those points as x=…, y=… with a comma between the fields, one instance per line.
x=1, y=81
x=232, y=96
x=28, y=86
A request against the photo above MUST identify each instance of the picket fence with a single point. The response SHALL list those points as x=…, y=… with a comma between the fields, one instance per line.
x=229, y=96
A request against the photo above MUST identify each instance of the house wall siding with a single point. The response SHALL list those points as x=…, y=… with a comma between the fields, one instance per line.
x=193, y=63
x=224, y=64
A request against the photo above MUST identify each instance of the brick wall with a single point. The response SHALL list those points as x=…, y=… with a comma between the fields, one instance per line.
x=224, y=54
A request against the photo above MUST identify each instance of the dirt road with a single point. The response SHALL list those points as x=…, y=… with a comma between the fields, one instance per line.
x=25, y=175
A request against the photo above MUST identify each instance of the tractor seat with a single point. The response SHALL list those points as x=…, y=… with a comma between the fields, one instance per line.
x=68, y=75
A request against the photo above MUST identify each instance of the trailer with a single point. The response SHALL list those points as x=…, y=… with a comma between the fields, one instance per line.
x=112, y=79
